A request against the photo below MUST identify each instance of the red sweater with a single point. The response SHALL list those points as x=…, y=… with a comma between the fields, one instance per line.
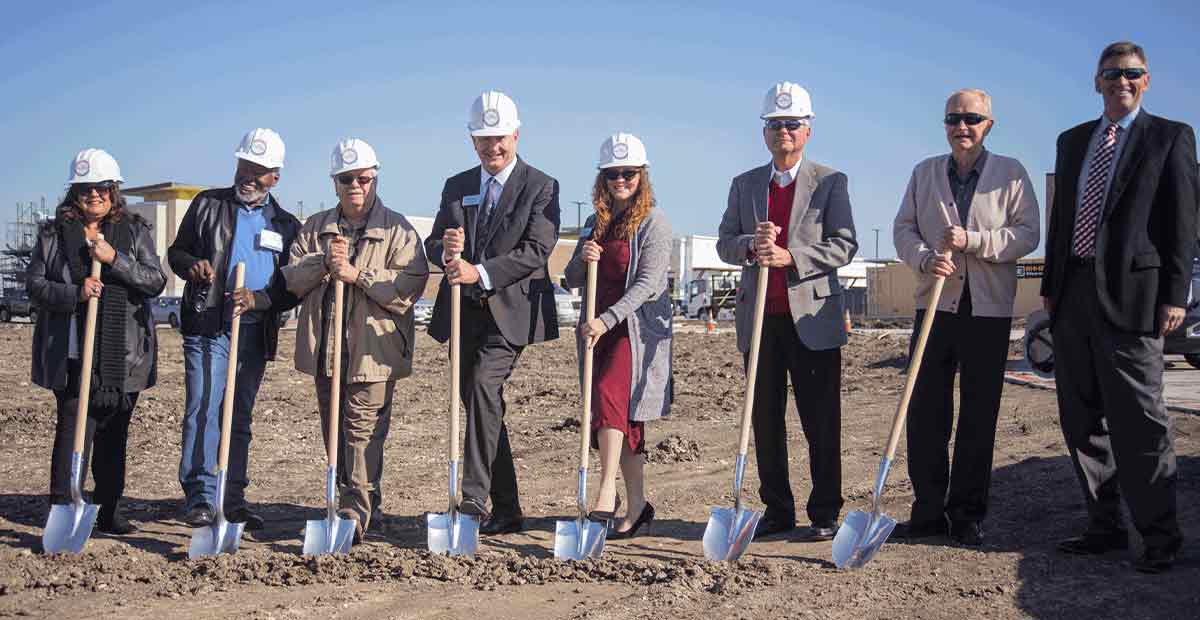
x=779, y=211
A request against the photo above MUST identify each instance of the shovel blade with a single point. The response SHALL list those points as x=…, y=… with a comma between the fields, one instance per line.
x=457, y=536
x=573, y=541
x=729, y=533
x=69, y=527
x=860, y=537
x=220, y=537
x=328, y=536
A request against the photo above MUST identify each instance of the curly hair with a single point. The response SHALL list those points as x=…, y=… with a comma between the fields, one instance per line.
x=71, y=205
x=602, y=200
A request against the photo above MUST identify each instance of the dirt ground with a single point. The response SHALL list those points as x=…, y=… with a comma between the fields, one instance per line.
x=1016, y=574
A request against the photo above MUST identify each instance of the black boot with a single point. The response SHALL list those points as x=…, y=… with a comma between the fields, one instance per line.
x=111, y=521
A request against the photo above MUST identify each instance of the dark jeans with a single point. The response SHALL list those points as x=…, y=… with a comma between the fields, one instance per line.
x=105, y=445
x=975, y=348
x=816, y=384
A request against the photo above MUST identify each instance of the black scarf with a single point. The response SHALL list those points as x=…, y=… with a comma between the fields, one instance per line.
x=109, y=372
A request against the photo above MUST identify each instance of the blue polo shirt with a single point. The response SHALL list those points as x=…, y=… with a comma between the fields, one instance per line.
x=260, y=261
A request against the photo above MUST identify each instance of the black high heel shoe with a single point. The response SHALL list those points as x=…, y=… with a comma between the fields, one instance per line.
x=605, y=516
x=643, y=519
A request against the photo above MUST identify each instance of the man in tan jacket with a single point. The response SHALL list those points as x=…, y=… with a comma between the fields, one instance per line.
x=967, y=216
x=379, y=256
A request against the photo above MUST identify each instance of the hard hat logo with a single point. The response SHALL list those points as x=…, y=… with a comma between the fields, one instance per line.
x=82, y=168
x=349, y=156
x=783, y=100
x=258, y=147
x=491, y=117
x=620, y=151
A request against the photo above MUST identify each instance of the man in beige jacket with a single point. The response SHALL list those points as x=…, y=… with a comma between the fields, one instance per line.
x=967, y=216
x=379, y=256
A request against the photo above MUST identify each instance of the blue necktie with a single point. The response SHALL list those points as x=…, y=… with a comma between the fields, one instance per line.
x=483, y=221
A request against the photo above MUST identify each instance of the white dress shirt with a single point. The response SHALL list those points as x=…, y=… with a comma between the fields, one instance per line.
x=784, y=178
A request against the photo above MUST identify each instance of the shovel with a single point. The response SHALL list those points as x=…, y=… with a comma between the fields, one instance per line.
x=730, y=530
x=583, y=538
x=223, y=536
x=333, y=534
x=70, y=525
x=452, y=532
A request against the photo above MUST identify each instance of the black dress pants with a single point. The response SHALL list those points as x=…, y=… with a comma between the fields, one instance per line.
x=816, y=384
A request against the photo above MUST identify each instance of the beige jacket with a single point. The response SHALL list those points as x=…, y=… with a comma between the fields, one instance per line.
x=1002, y=226
x=378, y=307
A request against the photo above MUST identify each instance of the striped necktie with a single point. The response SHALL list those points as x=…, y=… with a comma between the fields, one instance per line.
x=484, y=219
x=1087, y=220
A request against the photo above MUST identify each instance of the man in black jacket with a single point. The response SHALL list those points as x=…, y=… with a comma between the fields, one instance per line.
x=1118, y=268
x=502, y=217
x=221, y=228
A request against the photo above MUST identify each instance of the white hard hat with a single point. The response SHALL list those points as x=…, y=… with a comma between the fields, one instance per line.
x=94, y=166
x=352, y=154
x=786, y=99
x=493, y=114
x=263, y=147
x=622, y=150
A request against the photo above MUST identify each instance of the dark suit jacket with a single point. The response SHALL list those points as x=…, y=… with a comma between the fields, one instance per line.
x=1147, y=234
x=521, y=235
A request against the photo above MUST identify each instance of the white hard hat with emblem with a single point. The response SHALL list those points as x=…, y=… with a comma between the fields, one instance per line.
x=94, y=166
x=493, y=114
x=787, y=100
x=352, y=154
x=622, y=150
x=263, y=147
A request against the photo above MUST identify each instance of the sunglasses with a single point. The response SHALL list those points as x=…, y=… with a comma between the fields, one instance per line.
x=954, y=118
x=628, y=175
x=1132, y=74
x=790, y=125
x=104, y=187
x=348, y=179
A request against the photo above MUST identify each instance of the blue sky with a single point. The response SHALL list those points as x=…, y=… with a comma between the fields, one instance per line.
x=170, y=91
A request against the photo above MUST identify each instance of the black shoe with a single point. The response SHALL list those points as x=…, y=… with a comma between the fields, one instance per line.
x=969, y=533
x=645, y=519
x=925, y=529
x=768, y=526
x=474, y=507
x=243, y=514
x=116, y=523
x=605, y=516
x=1155, y=561
x=1095, y=544
x=497, y=524
x=200, y=515
x=818, y=531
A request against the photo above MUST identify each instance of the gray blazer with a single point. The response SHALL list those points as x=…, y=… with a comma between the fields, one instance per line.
x=646, y=306
x=820, y=237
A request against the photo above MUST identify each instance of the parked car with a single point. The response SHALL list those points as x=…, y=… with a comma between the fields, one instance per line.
x=423, y=311
x=16, y=304
x=165, y=310
x=568, y=306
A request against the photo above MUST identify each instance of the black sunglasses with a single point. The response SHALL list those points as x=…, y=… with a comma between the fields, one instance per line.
x=348, y=179
x=790, y=125
x=628, y=175
x=954, y=118
x=104, y=187
x=1131, y=74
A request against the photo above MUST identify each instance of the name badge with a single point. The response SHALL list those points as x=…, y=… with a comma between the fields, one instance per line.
x=471, y=201
x=270, y=240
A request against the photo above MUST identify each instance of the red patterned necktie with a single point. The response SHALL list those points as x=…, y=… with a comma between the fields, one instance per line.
x=1087, y=220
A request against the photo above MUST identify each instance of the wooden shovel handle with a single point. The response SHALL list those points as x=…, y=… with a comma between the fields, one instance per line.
x=335, y=387
x=85, y=371
x=585, y=417
x=760, y=308
x=239, y=280
x=455, y=362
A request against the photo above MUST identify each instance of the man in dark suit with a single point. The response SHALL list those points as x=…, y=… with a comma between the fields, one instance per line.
x=1118, y=267
x=502, y=218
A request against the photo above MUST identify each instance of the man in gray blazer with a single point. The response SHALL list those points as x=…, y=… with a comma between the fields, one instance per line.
x=803, y=329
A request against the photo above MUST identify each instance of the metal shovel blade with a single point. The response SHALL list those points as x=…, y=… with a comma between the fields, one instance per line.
x=69, y=527
x=220, y=537
x=579, y=539
x=454, y=534
x=729, y=533
x=860, y=537
x=332, y=535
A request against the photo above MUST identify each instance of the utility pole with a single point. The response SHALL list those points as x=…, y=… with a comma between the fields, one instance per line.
x=579, y=214
x=876, y=243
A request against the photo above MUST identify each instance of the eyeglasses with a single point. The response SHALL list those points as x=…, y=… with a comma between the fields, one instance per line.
x=104, y=187
x=791, y=124
x=348, y=179
x=954, y=118
x=628, y=174
x=1131, y=74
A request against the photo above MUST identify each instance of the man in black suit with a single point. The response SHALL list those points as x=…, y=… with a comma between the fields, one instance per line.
x=502, y=217
x=1118, y=267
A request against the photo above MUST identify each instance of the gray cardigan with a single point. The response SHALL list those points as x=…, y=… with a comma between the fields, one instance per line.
x=646, y=306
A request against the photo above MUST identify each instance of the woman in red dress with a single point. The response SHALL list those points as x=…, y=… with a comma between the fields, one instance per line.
x=631, y=334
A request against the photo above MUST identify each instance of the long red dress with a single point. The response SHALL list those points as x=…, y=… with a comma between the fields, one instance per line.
x=613, y=356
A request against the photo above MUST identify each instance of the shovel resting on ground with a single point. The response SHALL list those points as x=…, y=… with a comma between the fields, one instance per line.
x=730, y=530
x=222, y=536
x=452, y=532
x=70, y=525
x=333, y=534
x=583, y=538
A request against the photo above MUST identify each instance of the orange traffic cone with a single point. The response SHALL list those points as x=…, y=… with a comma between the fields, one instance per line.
x=710, y=325
x=846, y=318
